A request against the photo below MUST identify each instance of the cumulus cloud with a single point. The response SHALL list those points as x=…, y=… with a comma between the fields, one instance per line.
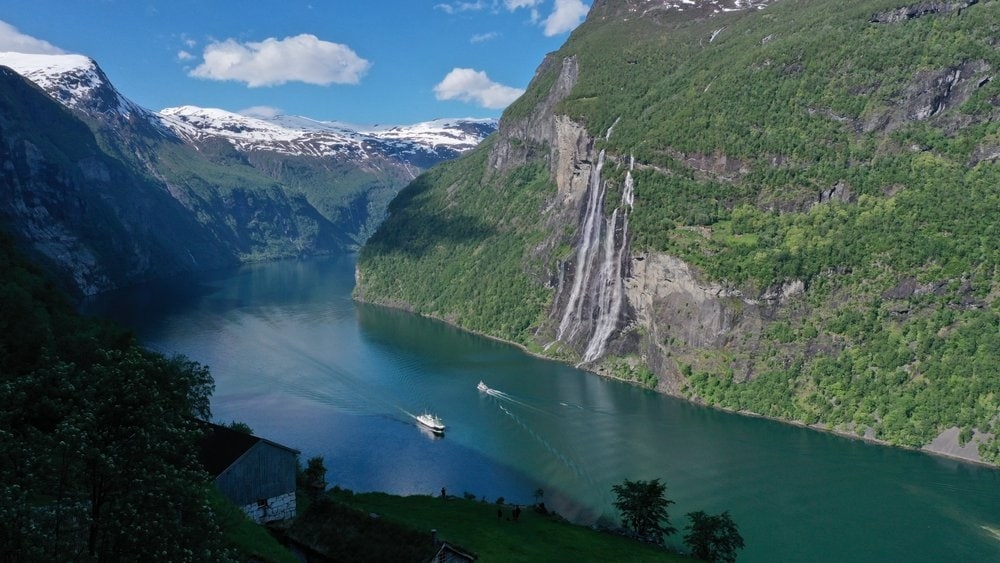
x=470, y=85
x=565, y=17
x=183, y=55
x=271, y=62
x=13, y=40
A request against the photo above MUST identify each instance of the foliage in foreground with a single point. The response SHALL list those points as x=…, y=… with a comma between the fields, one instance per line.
x=644, y=508
x=713, y=538
x=97, y=437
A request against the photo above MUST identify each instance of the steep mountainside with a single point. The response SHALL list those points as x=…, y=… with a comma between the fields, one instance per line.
x=83, y=212
x=785, y=208
x=214, y=188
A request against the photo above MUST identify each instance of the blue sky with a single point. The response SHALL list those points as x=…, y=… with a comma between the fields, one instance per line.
x=364, y=62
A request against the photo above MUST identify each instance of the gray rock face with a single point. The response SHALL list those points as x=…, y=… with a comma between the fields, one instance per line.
x=920, y=10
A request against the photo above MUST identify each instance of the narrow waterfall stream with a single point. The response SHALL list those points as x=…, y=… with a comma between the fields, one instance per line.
x=586, y=252
x=597, y=295
x=612, y=295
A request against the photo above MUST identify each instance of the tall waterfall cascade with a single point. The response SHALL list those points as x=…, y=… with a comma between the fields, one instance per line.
x=597, y=295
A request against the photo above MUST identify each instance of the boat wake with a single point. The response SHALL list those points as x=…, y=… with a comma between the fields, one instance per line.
x=505, y=400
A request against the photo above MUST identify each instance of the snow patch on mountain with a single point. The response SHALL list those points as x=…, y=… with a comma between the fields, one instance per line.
x=74, y=80
x=644, y=7
x=297, y=135
x=79, y=84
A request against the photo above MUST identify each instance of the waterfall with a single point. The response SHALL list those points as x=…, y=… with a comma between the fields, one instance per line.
x=589, y=242
x=612, y=293
x=597, y=295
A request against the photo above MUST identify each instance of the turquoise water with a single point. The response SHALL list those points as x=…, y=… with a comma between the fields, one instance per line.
x=295, y=358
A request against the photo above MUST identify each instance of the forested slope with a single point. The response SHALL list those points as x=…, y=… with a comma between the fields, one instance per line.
x=813, y=230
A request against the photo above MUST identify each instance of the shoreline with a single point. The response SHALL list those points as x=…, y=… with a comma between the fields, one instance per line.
x=925, y=449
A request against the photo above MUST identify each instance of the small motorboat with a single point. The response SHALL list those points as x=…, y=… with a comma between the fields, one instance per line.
x=482, y=387
x=431, y=421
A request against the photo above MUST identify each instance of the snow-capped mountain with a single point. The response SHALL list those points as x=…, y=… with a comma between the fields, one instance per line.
x=190, y=188
x=78, y=83
x=301, y=136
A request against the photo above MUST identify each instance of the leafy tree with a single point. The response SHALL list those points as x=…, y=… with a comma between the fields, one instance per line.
x=240, y=426
x=713, y=538
x=313, y=477
x=644, y=508
x=539, y=495
x=97, y=437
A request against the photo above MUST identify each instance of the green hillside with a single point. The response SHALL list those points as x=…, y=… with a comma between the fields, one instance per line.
x=819, y=145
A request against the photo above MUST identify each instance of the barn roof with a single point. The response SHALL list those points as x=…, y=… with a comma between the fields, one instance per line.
x=222, y=446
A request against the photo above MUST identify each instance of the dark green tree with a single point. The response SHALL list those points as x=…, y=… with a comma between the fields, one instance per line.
x=98, y=437
x=313, y=477
x=643, y=507
x=240, y=426
x=713, y=538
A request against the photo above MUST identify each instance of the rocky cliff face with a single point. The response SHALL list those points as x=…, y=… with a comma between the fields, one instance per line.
x=747, y=204
x=620, y=310
x=82, y=212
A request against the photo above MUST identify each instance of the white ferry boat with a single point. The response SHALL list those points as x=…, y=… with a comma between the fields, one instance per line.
x=431, y=421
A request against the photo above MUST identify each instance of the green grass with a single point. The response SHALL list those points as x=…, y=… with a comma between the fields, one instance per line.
x=250, y=541
x=473, y=525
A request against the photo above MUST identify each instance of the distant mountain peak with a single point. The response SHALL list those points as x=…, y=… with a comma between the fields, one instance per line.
x=76, y=81
x=296, y=135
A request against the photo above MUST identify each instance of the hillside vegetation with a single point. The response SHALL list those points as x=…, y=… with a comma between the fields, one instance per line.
x=827, y=144
x=97, y=437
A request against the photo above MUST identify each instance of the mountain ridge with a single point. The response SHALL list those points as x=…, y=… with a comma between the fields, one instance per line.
x=258, y=189
x=737, y=208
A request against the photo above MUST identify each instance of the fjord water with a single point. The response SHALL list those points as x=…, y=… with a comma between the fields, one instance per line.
x=295, y=358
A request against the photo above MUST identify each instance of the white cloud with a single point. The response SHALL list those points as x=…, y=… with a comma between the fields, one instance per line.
x=263, y=112
x=515, y=4
x=567, y=15
x=183, y=55
x=470, y=85
x=13, y=40
x=484, y=37
x=271, y=62
x=456, y=7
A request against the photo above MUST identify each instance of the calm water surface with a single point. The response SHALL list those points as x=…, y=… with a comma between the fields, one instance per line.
x=302, y=364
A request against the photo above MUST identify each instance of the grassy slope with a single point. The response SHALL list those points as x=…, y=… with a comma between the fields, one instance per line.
x=802, y=96
x=473, y=525
x=249, y=541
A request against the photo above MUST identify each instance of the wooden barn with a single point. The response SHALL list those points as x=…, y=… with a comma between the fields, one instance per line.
x=257, y=475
